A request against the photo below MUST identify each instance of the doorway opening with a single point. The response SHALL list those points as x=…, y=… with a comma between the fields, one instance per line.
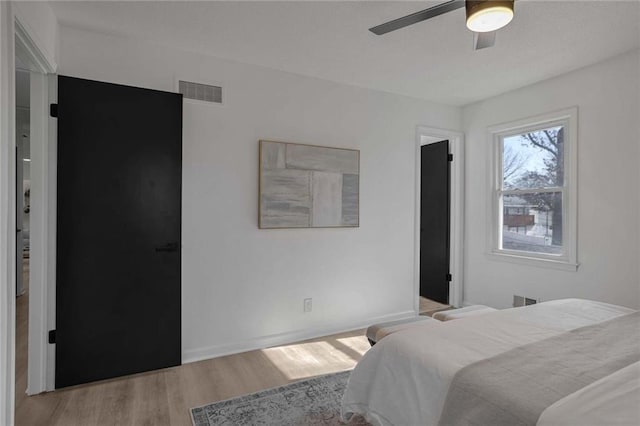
x=439, y=219
x=23, y=214
x=435, y=189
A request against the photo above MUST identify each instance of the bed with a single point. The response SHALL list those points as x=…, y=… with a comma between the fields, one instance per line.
x=567, y=361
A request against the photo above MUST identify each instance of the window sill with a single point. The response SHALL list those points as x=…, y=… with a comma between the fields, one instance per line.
x=561, y=265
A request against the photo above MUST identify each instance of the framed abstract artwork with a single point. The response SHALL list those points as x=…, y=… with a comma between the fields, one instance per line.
x=308, y=186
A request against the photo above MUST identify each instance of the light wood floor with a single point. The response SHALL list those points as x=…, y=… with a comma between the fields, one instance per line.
x=164, y=397
x=430, y=307
x=22, y=325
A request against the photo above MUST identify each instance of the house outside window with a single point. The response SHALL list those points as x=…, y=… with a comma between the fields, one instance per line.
x=533, y=206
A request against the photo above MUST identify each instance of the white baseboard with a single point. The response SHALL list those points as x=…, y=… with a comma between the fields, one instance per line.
x=199, y=354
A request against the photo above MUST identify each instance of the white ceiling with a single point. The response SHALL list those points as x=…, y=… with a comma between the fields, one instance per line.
x=432, y=60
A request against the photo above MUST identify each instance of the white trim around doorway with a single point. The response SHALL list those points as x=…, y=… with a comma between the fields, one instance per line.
x=42, y=283
x=16, y=37
x=424, y=136
x=7, y=215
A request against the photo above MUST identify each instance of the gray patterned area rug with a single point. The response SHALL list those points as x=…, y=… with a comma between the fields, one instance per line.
x=308, y=402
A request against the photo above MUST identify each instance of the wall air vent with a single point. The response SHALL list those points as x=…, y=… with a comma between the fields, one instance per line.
x=523, y=301
x=200, y=92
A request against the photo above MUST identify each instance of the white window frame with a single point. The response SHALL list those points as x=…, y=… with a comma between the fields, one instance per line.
x=496, y=134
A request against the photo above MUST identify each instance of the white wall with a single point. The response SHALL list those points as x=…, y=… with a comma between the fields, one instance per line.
x=244, y=287
x=607, y=95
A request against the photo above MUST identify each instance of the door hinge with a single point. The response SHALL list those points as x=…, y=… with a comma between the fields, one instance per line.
x=449, y=277
x=52, y=336
x=53, y=110
x=450, y=157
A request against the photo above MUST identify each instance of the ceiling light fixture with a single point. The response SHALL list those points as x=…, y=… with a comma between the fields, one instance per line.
x=488, y=15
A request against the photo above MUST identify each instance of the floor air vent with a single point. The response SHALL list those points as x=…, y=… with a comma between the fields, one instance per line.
x=200, y=92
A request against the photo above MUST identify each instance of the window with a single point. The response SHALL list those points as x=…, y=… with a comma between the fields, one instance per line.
x=533, y=207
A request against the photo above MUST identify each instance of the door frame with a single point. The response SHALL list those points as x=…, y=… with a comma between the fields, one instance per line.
x=16, y=36
x=41, y=282
x=7, y=215
x=424, y=136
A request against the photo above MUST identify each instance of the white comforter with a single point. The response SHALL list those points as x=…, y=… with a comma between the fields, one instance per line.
x=404, y=379
x=613, y=400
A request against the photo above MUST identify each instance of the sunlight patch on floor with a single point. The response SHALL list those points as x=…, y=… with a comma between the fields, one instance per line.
x=303, y=360
x=357, y=343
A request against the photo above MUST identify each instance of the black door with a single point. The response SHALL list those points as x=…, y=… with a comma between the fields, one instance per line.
x=118, y=292
x=434, y=221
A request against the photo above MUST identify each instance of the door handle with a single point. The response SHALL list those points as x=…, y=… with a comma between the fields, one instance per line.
x=168, y=247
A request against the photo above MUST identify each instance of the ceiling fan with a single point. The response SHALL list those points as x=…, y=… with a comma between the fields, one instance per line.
x=484, y=17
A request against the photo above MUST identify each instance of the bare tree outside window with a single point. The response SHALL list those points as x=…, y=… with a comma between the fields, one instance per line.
x=532, y=191
x=512, y=163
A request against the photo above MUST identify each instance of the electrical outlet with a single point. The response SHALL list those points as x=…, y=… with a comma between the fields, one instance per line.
x=308, y=305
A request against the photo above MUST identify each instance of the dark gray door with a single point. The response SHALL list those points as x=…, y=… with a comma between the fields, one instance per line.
x=118, y=298
x=434, y=221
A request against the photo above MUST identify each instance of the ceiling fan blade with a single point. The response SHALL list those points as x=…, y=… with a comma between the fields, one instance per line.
x=484, y=40
x=414, y=18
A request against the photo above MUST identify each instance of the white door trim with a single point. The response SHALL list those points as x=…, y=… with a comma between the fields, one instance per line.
x=13, y=32
x=424, y=136
x=28, y=47
x=7, y=215
x=42, y=284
